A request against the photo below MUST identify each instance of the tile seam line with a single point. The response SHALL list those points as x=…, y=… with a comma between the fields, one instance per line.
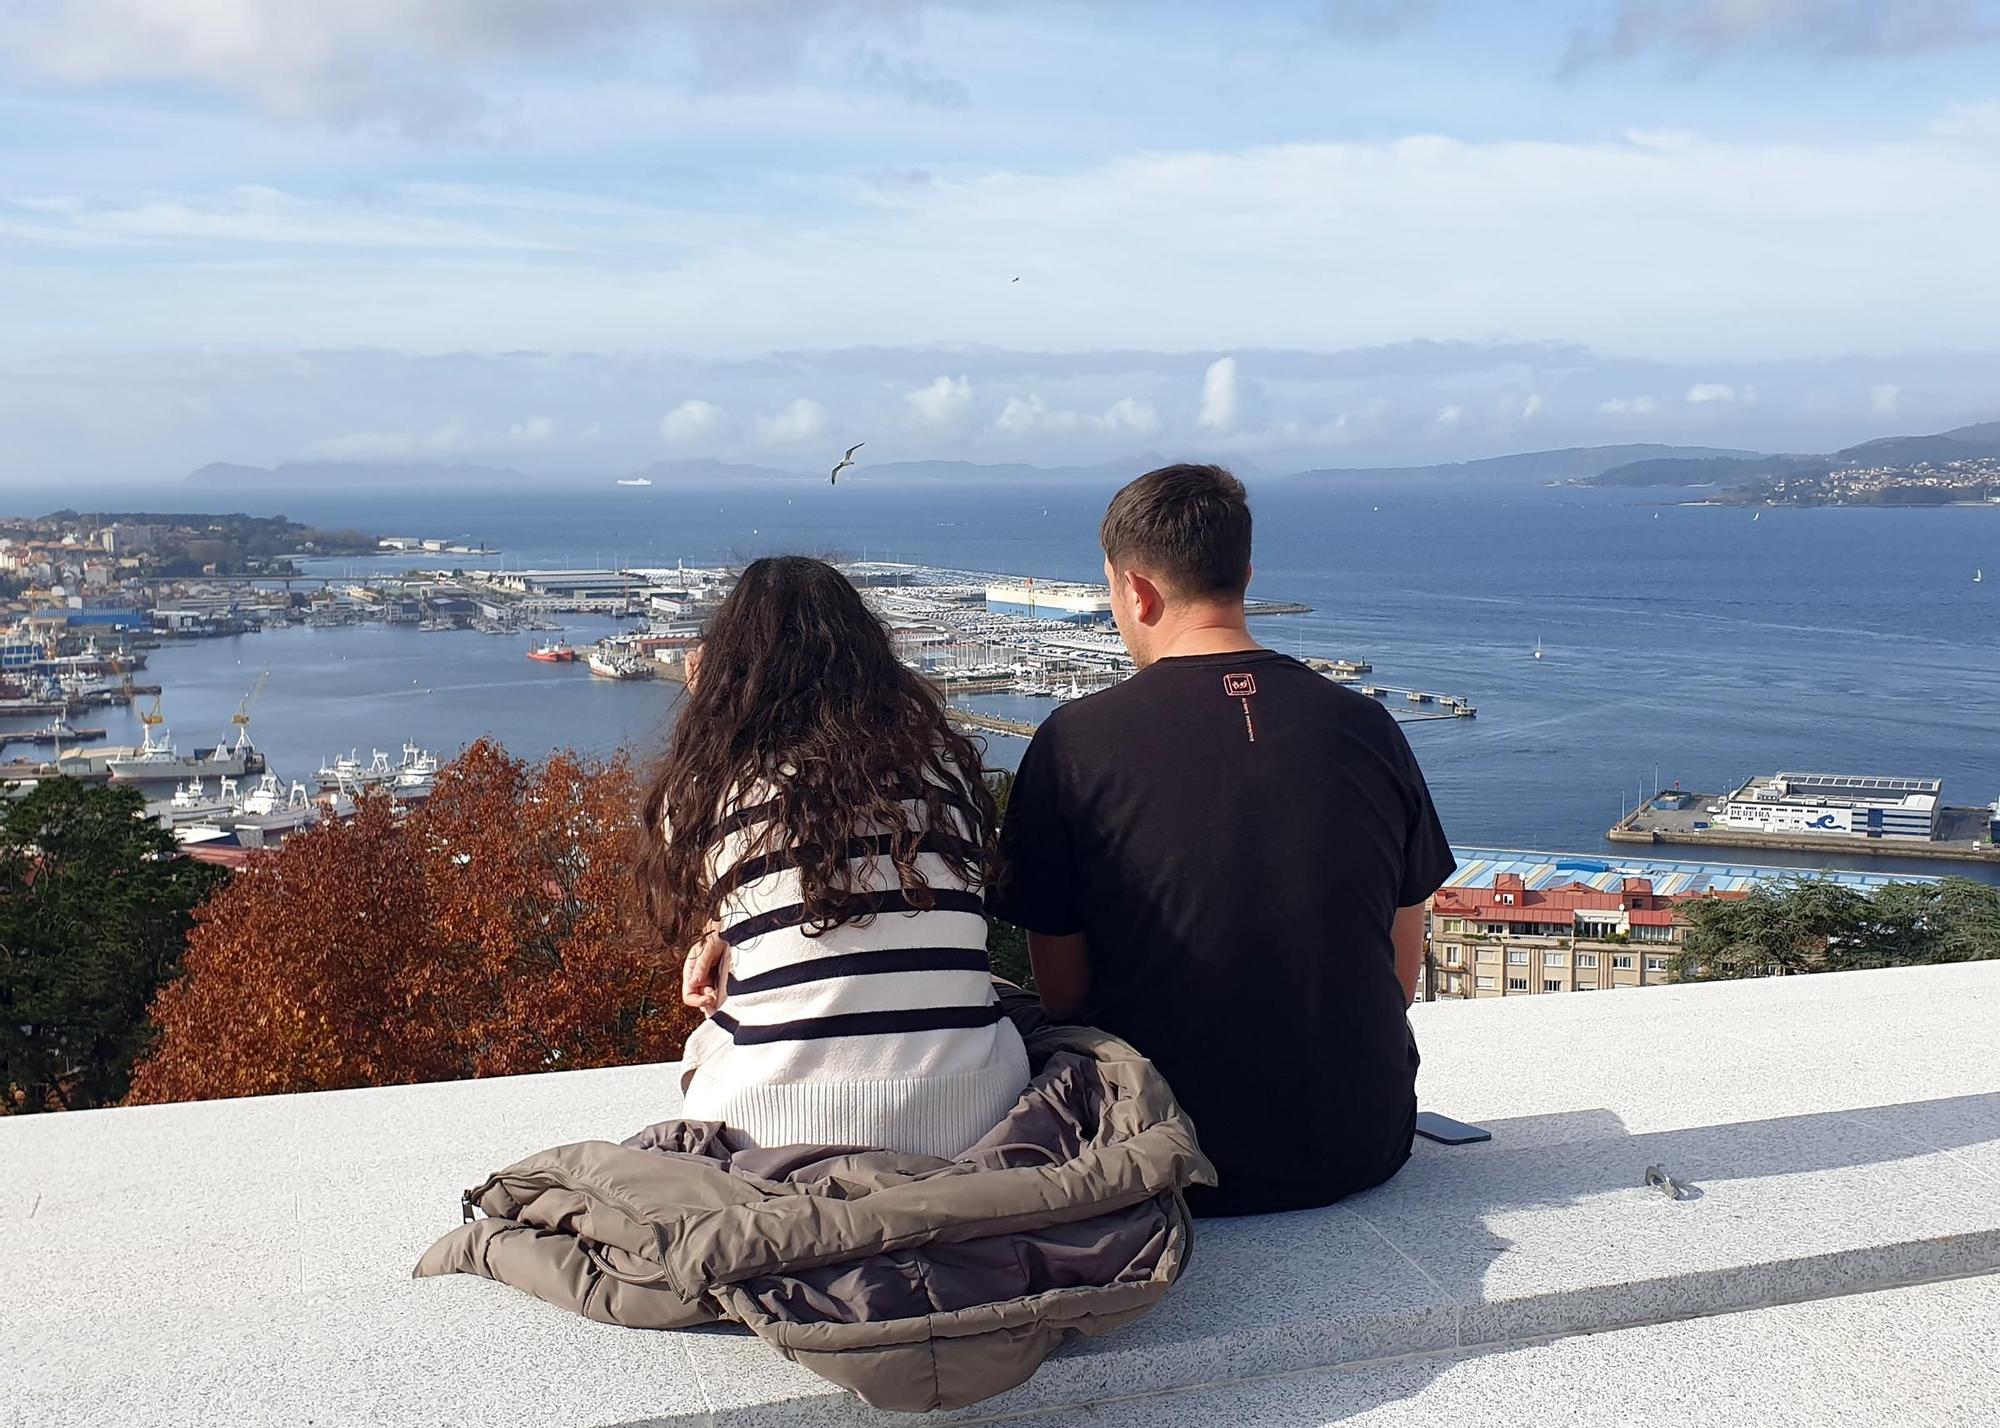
x=1833, y=1363
x=1461, y=1352
x=1951, y=1153
x=1859, y=1115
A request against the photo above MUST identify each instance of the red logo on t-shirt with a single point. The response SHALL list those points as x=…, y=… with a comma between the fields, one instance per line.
x=1238, y=686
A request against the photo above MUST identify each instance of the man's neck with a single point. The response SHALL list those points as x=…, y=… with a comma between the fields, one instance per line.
x=1206, y=633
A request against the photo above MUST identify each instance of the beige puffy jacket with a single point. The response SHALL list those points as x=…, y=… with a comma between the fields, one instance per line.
x=918, y=1283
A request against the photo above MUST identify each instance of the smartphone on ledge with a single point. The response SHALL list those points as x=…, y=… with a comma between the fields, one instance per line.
x=1446, y=1131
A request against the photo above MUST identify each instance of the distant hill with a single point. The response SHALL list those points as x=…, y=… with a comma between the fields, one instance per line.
x=1964, y=443
x=701, y=468
x=1708, y=471
x=364, y=473
x=1567, y=463
x=1123, y=469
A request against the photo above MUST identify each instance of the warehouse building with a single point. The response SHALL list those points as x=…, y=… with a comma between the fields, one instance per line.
x=1836, y=805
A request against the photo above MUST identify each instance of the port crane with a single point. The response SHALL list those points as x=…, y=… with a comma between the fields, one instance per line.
x=241, y=718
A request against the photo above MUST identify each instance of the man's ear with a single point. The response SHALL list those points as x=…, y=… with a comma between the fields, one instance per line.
x=1146, y=598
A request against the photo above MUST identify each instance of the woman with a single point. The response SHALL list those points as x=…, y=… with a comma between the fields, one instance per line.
x=817, y=834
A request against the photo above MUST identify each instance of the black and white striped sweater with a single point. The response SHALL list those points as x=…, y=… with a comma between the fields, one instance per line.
x=883, y=1034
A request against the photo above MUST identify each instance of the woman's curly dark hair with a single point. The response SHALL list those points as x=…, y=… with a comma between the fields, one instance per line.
x=800, y=693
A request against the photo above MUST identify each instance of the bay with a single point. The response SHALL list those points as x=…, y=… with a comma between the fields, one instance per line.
x=1679, y=642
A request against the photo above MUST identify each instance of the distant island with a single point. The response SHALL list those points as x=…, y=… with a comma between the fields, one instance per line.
x=1565, y=463
x=1958, y=467
x=171, y=545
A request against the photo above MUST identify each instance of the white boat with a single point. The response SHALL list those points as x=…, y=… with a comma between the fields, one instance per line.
x=607, y=665
x=275, y=808
x=1978, y=577
x=192, y=802
x=634, y=481
x=155, y=760
x=416, y=775
x=348, y=772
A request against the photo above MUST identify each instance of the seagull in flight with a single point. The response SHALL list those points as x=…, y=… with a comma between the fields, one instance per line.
x=845, y=462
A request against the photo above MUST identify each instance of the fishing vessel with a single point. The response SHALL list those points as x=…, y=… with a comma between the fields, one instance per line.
x=607, y=665
x=416, y=775
x=348, y=774
x=413, y=778
x=193, y=803
x=157, y=761
x=552, y=653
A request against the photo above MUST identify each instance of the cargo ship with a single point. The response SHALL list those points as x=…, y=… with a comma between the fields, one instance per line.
x=553, y=654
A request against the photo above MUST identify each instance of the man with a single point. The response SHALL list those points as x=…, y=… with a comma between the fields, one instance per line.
x=1223, y=860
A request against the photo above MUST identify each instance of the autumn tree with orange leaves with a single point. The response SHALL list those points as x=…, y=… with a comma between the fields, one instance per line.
x=486, y=932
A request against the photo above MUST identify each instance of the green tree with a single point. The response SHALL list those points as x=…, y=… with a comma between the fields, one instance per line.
x=1006, y=944
x=95, y=903
x=1814, y=925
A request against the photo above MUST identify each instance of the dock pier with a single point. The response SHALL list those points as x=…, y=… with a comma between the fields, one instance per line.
x=991, y=723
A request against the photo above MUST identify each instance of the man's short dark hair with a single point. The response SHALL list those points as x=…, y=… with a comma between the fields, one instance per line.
x=1187, y=524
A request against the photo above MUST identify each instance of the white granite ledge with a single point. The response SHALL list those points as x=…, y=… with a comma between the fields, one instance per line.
x=247, y=1261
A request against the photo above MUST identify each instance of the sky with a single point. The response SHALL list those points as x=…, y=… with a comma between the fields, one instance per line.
x=578, y=236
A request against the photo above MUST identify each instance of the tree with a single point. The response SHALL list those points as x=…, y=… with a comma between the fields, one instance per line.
x=488, y=931
x=95, y=905
x=1814, y=925
x=1006, y=944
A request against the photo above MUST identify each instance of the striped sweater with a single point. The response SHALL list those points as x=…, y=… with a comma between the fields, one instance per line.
x=883, y=1034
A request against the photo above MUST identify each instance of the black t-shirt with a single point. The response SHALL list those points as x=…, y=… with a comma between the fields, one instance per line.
x=1233, y=834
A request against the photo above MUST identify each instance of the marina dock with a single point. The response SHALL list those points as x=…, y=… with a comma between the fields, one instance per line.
x=991, y=723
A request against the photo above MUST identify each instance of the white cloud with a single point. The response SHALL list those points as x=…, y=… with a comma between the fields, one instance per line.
x=1449, y=417
x=1130, y=416
x=691, y=421
x=1634, y=406
x=1710, y=393
x=425, y=63
x=1532, y=408
x=941, y=406
x=1518, y=227
x=1700, y=32
x=1033, y=416
x=535, y=431
x=1883, y=398
x=801, y=420
x=1218, y=395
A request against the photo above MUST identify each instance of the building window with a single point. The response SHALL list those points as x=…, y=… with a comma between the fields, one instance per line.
x=1656, y=964
x=1517, y=984
x=1489, y=954
x=1586, y=959
x=1555, y=959
x=1586, y=986
x=1485, y=984
x=1517, y=959
x=1622, y=961
x=1552, y=986
x=1454, y=924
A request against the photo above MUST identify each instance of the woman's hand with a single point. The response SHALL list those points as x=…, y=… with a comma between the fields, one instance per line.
x=705, y=972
